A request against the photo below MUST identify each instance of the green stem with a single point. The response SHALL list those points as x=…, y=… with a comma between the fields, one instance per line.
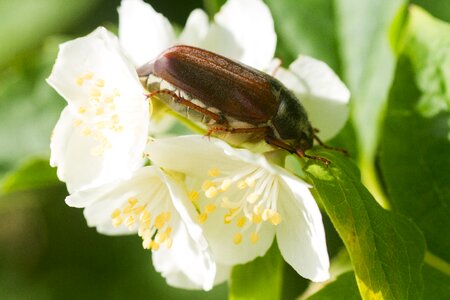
x=371, y=181
x=437, y=263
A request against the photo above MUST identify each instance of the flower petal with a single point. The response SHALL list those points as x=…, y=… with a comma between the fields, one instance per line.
x=220, y=238
x=243, y=30
x=186, y=264
x=101, y=134
x=192, y=155
x=324, y=96
x=196, y=29
x=144, y=33
x=301, y=236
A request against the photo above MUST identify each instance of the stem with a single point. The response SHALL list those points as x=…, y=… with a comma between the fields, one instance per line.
x=371, y=181
x=437, y=263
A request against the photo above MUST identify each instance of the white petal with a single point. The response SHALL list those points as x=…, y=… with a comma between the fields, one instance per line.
x=324, y=96
x=186, y=264
x=220, y=238
x=300, y=235
x=243, y=30
x=76, y=154
x=196, y=29
x=144, y=33
x=192, y=155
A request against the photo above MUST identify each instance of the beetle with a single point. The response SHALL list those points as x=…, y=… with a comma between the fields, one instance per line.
x=231, y=97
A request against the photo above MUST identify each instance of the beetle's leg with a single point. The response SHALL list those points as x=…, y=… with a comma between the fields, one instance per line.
x=237, y=130
x=216, y=117
x=344, y=151
x=300, y=152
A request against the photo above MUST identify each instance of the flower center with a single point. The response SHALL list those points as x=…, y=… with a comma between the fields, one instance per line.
x=249, y=198
x=152, y=221
x=97, y=117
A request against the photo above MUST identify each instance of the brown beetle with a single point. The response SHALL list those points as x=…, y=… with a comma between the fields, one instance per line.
x=230, y=97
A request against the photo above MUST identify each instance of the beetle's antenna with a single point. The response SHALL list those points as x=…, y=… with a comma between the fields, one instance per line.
x=342, y=150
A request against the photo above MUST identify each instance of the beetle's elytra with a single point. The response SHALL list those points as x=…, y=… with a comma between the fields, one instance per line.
x=229, y=97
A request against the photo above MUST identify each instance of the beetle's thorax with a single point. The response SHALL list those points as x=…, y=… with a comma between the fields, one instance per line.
x=291, y=122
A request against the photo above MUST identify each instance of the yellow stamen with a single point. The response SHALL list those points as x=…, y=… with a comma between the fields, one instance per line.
x=254, y=237
x=237, y=238
x=79, y=81
x=193, y=195
x=241, y=222
x=77, y=123
x=226, y=184
x=267, y=214
x=115, y=213
x=227, y=218
x=154, y=246
x=252, y=198
x=159, y=221
x=132, y=201
x=168, y=243
x=88, y=75
x=211, y=192
x=207, y=184
x=100, y=83
x=242, y=185
x=213, y=172
x=202, y=218
x=100, y=111
x=95, y=92
x=256, y=219
x=250, y=181
x=210, y=208
x=86, y=131
x=129, y=221
x=145, y=216
x=275, y=219
x=81, y=109
x=117, y=221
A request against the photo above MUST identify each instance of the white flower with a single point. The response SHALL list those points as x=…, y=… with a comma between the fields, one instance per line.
x=324, y=96
x=102, y=132
x=242, y=30
x=155, y=206
x=244, y=201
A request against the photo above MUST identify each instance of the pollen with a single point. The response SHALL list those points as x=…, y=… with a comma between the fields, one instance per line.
x=202, y=218
x=115, y=213
x=227, y=219
x=275, y=219
x=81, y=109
x=254, y=237
x=226, y=184
x=211, y=192
x=252, y=198
x=242, y=185
x=99, y=111
x=100, y=83
x=256, y=219
x=237, y=238
x=241, y=222
x=207, y=184
x=95, y=92
x=79, y=81
x=77, y=123
x=210, y=208
x=213, y=172
x=193, y=195
x=86, y=131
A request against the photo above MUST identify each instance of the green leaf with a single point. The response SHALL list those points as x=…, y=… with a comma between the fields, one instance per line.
x=414, y=154
x=260, y=279
x=386, y=249
x=213, y=6
x=306, y=26
x=368, y=62
x=343, y=288
x=437, y=284
x=438, y=8
x=34, y=173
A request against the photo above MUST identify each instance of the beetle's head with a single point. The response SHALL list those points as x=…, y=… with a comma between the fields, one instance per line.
x=291, y=122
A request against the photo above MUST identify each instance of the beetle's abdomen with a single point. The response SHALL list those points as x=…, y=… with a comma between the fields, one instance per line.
x=235, y=90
